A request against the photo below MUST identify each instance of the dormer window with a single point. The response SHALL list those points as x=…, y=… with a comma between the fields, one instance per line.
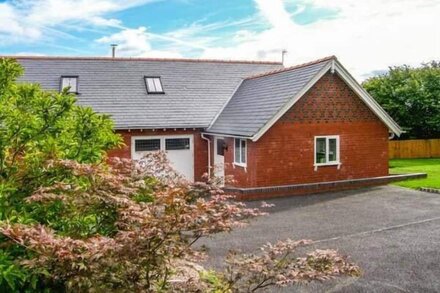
x=154, y=85
x=70, y=82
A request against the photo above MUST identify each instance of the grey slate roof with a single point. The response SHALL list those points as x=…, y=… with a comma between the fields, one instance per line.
x=261, y=97
x=195, y=90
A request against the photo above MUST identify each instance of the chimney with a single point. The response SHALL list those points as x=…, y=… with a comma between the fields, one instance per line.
x=113, y=50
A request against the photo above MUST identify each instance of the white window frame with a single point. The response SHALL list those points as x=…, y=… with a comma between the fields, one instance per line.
x=163, y=139
x=327, y=153
x=137, y=138
x=156, y=80
x=241, y=163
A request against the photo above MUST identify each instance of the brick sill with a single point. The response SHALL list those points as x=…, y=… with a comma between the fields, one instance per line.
x=322, y=185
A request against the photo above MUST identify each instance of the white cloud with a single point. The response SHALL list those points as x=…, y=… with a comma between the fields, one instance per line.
x=275, y=13
x=27, y=54
x=32, y=20
x=11, y=26
x=202, y=35
x=135, y=43
x=366, y=35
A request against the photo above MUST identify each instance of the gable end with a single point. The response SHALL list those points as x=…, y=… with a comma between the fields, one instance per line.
x=335, y=68
x=329, y=100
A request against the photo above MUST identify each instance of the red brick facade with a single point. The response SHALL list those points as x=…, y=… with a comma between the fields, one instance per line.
x=285, y=153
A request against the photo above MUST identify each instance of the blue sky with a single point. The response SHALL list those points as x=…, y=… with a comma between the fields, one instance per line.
x=367, y=36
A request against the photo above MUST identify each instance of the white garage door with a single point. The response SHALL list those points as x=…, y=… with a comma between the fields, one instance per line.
x=179, y=150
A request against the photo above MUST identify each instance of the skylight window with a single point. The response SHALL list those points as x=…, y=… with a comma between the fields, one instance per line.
x=70, y=82
x=154, y=85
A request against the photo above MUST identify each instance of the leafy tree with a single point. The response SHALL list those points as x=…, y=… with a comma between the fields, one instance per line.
x=73, y=220
x=36, y=126
x=411, y=96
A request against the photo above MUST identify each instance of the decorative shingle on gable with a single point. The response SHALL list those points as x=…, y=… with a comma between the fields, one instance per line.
x=329, y=100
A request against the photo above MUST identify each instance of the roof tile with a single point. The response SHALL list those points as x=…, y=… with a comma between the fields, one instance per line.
x=260, y=97
x=195, y=90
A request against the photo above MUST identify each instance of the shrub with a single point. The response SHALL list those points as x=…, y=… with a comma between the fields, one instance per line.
x=147, y=242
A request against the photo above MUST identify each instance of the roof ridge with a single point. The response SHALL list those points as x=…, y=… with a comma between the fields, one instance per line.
x=30, y=57
x=291, y=67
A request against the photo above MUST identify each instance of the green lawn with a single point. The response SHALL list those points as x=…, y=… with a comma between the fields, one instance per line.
x=429, y=166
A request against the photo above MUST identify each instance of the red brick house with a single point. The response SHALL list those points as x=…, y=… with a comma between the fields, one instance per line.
x=276, y=130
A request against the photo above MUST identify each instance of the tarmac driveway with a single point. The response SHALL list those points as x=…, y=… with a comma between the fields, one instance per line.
x=392, y=233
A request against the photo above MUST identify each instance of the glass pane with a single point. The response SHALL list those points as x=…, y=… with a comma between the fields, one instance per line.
x=158, y=85
x=64, y=83
x=332, y=156
x=220, y=147
x=320, y=151
x=177, y=144
x=243, y=151
x=146, y=145
x=150, y=85
x=70, y=82
x=237, y=150
x=73, y=82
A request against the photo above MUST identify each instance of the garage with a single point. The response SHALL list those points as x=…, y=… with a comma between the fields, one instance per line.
x=179, y=150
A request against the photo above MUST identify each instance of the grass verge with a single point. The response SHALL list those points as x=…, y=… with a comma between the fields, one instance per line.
x=429, y=166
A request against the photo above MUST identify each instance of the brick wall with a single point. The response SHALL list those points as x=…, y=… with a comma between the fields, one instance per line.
x=200, y=147
x=285, y=153
x=243, y=177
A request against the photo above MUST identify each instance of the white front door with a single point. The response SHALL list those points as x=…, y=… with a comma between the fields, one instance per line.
x=179, y=150
x=219, y=157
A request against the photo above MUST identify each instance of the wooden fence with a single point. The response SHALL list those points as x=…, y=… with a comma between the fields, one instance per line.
x=416, y=148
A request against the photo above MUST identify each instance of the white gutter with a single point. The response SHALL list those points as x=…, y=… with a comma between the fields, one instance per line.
x=369, y=100
x=226, y=135
x=209, y=154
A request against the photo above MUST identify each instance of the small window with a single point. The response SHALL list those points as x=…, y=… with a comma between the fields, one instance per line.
x=240, y=151
x=220, y=147
x=70, y=82
x=154, y=85
x=326, y=150
x=172, y=144
x=146, y=145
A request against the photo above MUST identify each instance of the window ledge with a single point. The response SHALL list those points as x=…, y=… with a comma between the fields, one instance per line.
x=240, y=165
x=73, y=93
x=338, y=164
x=156, y=93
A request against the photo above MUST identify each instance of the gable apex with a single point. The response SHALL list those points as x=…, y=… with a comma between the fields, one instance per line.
x=261, y=100
x=336, y=67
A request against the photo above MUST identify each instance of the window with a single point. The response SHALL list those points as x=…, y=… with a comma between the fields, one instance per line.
x=240, y=152
x=220, y=147
x=154, y=85
x=327, y=150
x=177, y=144
x=70, y=82
x=146, y=145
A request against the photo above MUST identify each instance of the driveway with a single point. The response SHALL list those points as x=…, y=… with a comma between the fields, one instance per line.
x=392, y=233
